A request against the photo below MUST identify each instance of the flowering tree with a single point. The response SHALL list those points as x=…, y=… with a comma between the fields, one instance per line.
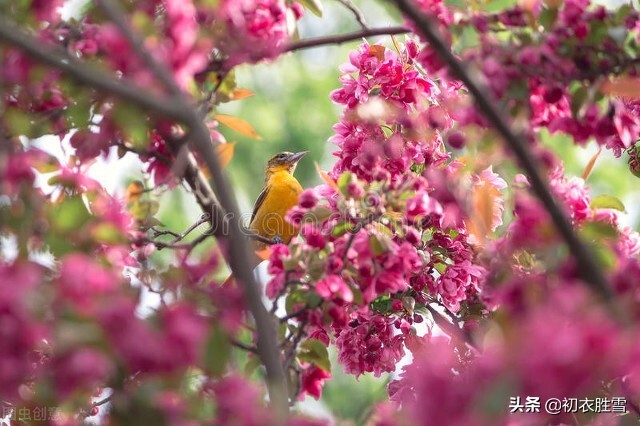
x=445, y=228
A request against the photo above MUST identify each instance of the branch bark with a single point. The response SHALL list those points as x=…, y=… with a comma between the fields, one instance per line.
x=586, y=264
x=343, y=38
x=177, y=108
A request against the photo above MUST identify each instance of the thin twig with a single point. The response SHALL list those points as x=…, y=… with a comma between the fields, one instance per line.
x=343, y=38
x=204, y=218
x=487, y=105
x=350, y=241
x=451, y=329
x=356, y=12
x=254, y=236
x=294, y=345
x=244, y=346
x=294, y=314
x=104, y=400
x=323, y=41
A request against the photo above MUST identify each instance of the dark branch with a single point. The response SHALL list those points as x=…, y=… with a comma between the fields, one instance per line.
x=88, y=75
x=586, y=263
x=238, y=344
x=343, y=38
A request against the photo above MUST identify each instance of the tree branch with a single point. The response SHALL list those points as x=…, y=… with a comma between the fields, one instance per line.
x=176, y=108
x=586, y=264
x=343, y=38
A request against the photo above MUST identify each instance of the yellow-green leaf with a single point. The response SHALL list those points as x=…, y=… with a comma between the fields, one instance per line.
x=238, y=124
x=628, y=87
x=134, y=191
x=238, y=94
x=314, y=351
x=590, y=165
x=314, y=6
x=607, y=202
x=225, y=151
x=325, y=177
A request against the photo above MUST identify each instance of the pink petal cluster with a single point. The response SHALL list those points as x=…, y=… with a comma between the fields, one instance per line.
x=255, y=29
x=368, y=344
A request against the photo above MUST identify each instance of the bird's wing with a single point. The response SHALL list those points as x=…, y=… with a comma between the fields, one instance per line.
x=259, y=201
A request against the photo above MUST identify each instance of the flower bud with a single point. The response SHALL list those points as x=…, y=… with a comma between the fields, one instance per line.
x=308, y=199
x=456, y=140
x=396, y=305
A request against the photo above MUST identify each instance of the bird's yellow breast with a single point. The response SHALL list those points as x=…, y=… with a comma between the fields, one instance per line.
x=282, y=194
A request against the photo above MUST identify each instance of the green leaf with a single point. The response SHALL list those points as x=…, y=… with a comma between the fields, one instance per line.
x=317, y=215
x=142, y=210
x=18, y=122
x=460, y=4
x=314, y=6
x=382, y=304
x=343, y=182
x=131, y=120
x=107, y=233
x=548, y=17
x=252, y=364
x=314, y=351
x=468, y=38
x=312, y=299
x=498, y=5
x=380, y=243
x=596, y=231
x=217, y=352
x=342, y=228
x=295, y=298
x=607, y=202
x=578, y=98
x=70, y=215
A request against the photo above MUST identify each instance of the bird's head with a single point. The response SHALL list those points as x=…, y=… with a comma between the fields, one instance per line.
x=284, y=161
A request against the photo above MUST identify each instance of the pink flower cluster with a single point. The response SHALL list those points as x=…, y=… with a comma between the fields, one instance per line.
x=255, y=29
x=385, y=86
x=552, y=88
x=583, y=347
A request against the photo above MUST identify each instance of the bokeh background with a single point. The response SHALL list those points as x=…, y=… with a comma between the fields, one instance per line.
x=291, y=111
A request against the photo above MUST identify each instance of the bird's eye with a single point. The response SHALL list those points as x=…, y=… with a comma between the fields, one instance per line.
x=282, y=155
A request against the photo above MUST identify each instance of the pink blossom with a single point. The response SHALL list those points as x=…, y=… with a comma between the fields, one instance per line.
x=313, y=379
x=239, y=402
x=256, y=29
x=367, y=344
x=457, y=283
x=83, y=369
x=496, y=184
x=574, y=194
x=333, y=287
x=20, y=331
x=84, y=283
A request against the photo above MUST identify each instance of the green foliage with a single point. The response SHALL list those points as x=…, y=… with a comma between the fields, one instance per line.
x=350, y=399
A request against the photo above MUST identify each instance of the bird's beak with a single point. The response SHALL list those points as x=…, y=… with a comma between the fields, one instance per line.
x=294, y=158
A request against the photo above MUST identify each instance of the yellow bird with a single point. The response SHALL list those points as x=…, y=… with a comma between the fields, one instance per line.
x=280, y=193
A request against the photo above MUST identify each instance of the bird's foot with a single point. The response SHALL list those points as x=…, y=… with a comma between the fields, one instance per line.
x=277, y=240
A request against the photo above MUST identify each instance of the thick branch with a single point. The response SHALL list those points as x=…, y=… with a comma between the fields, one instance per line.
x=175, y=109
x=88, y=75
x=586, y=263
x=343, y=38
